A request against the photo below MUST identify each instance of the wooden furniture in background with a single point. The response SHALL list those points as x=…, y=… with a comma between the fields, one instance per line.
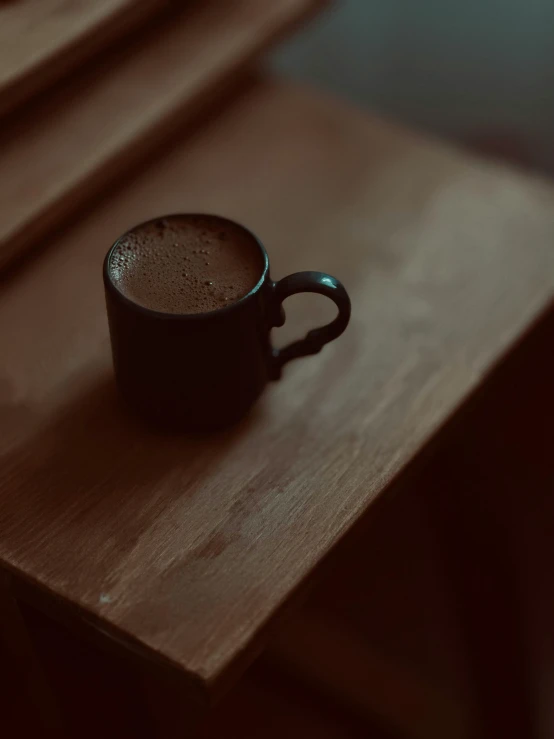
x=184, y=551
x=91, y=129
x=41, y=40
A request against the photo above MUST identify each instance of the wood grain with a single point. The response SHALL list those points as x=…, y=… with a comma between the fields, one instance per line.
x=325, y=653
x=501, y=480
x=40, y=40
x=376, y=634
x=267, y=703
x=94, y=128
x=111, y=690
x=190, y=547
x=27, y=703
x=440, y=614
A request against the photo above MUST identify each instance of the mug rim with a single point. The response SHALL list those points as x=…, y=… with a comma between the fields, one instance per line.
x=110, y=285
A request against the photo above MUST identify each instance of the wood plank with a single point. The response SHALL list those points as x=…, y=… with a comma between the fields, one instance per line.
x=267, y=703
x=28, y=704
x=111, y=690
x=190, y=547
x=41, y=40
x=326, y=654
x=501, y=479
x=414, y=624
x=377, y=634
x=94, y=128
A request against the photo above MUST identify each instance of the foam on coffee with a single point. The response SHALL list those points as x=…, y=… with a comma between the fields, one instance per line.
x=186, y=264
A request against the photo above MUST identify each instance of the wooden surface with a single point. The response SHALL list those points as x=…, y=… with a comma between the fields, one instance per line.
x=501, y=483
x=93, y=128
x=40, y=40
x=346, y=667
x=111, y=690
x=377, y=634
x=84, y=681
x=266, y=703
x=187, y=547
x=440, y=614
x=27, y=703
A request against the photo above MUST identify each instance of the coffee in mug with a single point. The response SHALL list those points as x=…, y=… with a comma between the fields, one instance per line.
x=186, y=265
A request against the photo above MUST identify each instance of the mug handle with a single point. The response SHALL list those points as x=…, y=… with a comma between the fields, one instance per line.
x=313, y=342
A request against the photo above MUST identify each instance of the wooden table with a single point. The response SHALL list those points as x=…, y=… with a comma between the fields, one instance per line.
x=185, y=552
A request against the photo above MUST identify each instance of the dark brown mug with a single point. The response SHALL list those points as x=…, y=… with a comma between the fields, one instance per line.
x=203, y=371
